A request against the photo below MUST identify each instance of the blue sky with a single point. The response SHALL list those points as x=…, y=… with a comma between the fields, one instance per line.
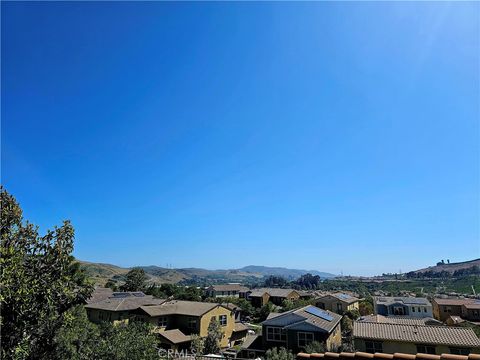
x=328, y=136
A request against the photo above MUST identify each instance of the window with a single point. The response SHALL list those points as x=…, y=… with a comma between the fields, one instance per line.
x=162, y=321
x=304, y=338
x=373, y=346
x=426, y=349
x=424, y=309
x=276, y=334
x=413, y=308
x=192, y=323
x=339, y=307
x=447, y=309
x=222, y=319
x=460, y=351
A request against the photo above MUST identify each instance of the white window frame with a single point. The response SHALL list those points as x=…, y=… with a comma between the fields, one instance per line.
x=221, y=319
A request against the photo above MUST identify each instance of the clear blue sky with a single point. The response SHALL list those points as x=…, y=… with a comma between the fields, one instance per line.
x=328, y=136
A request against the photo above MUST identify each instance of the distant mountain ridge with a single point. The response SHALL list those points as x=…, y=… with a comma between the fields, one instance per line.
x=102, y=272
x=284, y=272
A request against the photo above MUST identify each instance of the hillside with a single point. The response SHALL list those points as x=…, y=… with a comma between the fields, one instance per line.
x=284, y=272
x=451, y=268
x=100, y=273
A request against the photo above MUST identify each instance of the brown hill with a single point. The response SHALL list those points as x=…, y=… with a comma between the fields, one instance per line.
x=451, y=267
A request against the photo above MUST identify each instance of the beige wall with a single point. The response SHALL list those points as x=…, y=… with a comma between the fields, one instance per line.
x=331, y=303
x=334, y=341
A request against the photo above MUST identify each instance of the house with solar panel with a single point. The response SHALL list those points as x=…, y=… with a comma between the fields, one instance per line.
x=118, y=306
x=297, y=328
x=337, y=302
x=403, y=306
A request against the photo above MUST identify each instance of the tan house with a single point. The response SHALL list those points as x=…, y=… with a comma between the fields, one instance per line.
x=118, y=307
x=227, y=290
x=175, y=321
x=337, y=302
x=260, y=297
x=389, y=338
x=467, y=309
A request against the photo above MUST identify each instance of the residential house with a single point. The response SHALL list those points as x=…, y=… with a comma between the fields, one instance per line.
x=389, y=338
x=403, y=320
x=403, y=306
x=337, y=302
x=260, y=297
x=297, y=328
x=118, y=307
x=175, y=321
x=467, y=309
x=228, y=290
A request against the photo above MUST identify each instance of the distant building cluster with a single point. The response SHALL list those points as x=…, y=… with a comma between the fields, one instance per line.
x=398, y=325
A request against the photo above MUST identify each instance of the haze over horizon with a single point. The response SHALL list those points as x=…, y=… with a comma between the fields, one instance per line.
x=320, y=136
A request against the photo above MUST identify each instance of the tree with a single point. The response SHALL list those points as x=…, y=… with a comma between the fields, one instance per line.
x=40, y=280
x=136, y=280
x=347, y=325
x=353, y=314
x=263, y=312
x=365, y=307
x=279, y=354
x=214, y=336
x=112, y=284
x=198, y=345
x=80, y=339
x=275, y=281
x=315, y=347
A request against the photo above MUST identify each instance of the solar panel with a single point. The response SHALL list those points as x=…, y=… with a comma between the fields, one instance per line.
x=318, y=312
x=121, y=295
x=138, y=294
x=344, y=296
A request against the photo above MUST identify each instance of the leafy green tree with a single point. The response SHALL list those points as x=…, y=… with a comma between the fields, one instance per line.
x=263, y=312
x=78, y=337
x=353, y=314
x=278, y=354
x=112, y=284
x=315, y=347
x=131, y=341
x=214, y=336
x=275, y=281
x=365, y=307
x=198, y=345
x=136, y=280
x=39, y=280
x=347, y=325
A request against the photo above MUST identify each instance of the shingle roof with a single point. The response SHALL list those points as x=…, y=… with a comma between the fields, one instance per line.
x=454, y=301
x=388, y=300
x=441, y=335
x=240, y=327
x=302, y=317
x=272, y=292
x=100, y=294
x=124, y=303
x=397, y=356
x=229, y=287
x=180, y=307
x=342, y=297
x=405, y=320
x=175, y=336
